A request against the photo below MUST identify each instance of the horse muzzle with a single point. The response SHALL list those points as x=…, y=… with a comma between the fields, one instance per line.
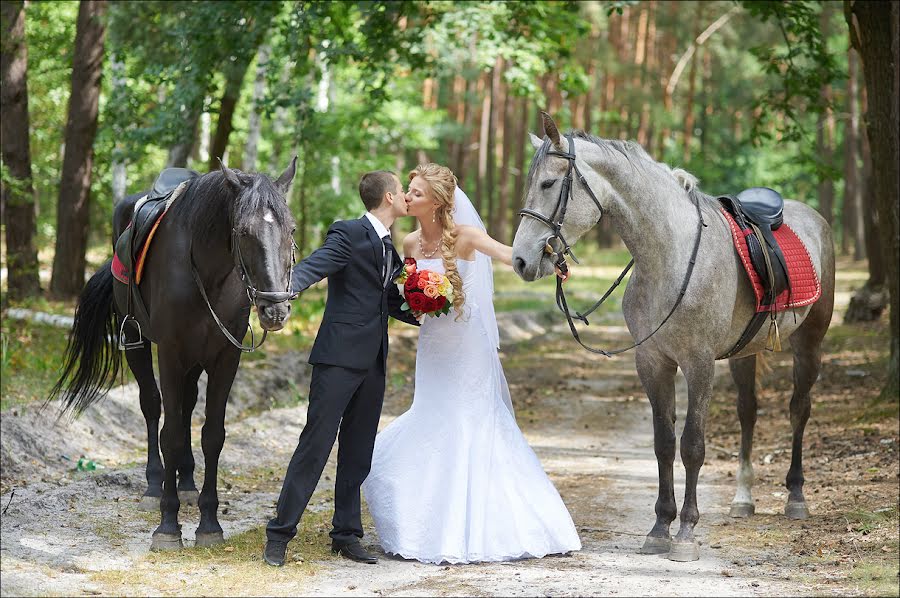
x=272, y=316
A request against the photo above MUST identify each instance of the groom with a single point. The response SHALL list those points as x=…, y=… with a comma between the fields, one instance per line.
x=348, y=359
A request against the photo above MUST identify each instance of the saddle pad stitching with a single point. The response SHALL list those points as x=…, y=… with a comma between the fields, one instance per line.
x=754, y=278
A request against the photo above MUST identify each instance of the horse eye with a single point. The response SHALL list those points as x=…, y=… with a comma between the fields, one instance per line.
x=548, y=183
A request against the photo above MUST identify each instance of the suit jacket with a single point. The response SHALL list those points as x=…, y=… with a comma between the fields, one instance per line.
x=354, y=326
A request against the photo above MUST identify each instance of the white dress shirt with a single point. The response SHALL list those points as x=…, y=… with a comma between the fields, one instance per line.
x=382, y=232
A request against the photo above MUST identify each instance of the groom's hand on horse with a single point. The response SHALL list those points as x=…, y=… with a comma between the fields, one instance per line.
x=564, y=275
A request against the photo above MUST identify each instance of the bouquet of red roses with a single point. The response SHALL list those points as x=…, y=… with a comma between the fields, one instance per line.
x=425, y=291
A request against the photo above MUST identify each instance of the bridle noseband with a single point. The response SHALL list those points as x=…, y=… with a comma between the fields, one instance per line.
x=253, y=294
x=555, y=223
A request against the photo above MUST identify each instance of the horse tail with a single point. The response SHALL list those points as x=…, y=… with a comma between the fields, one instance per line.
x=92, y=358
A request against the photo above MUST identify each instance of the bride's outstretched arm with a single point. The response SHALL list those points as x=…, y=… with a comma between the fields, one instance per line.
x=477, y=239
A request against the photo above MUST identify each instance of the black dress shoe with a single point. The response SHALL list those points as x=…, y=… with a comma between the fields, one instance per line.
x=355, y=552
x=274, y=553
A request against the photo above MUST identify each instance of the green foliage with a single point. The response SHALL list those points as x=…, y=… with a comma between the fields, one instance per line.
x=797, y=70
x=50, y=35
x=29, y=361
x=343, y=88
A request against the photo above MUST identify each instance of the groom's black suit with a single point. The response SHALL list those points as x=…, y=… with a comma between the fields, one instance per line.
x=347, y=387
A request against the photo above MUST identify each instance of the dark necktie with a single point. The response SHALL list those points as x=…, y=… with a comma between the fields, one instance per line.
x=388, y=260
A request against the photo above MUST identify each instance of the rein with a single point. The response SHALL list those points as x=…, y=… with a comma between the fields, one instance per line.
x=253, y=294
x=555, y=222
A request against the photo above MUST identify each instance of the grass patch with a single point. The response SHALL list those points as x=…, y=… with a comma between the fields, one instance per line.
x=232, y=568
x=877, y=578
x=236, y=566
x=866, y=522
x=30, y=361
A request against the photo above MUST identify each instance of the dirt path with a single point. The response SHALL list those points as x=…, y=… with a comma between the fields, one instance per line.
x=77, y=533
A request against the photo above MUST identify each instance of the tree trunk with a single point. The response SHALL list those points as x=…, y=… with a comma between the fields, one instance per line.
x=875, y=33
x=480, y=186
x=234, y=80
x=81, y=128
x=506, y=137
x=178, y=153
x=824, y=150
x=495, y=141
x=692, y=86
x=17, y=197
x=825, y=136
x=119, y=171
x=464, y=118
x=254, y=124
x=852, y=210
x=646, y=32
x=518, y=169
x=877, y=274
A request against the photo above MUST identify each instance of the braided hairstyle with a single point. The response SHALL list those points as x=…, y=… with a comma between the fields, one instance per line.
x=442, y=183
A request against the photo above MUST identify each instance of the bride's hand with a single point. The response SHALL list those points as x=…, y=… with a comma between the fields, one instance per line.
x=561, y=274
x=419, y=316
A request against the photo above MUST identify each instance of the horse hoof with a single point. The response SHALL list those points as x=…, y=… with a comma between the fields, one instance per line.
x=796, y=510
x=740, y=510
x=188, y=497
x=684, y=552
x=209, y=538
x=149, y=503
x=655, y=545
x=163, y=542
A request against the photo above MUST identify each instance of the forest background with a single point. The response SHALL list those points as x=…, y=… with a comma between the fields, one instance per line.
x=98, y=97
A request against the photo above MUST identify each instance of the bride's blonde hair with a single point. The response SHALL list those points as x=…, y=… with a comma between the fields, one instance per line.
x=443, y=182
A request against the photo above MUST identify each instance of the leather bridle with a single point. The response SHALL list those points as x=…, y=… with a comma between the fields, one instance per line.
x=555, y=223
x=253, y=293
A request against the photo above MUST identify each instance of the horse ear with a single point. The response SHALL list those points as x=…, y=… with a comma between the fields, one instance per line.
x=536, y=141
x=284, y=181
x=551, y=130
x=230, y=175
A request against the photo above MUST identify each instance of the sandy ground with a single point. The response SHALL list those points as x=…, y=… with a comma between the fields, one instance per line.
x=73, y=533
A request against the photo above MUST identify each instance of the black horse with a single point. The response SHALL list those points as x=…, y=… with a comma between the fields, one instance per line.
x=227, y=232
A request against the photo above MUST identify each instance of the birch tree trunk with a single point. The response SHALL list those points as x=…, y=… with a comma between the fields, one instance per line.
x=254, y=124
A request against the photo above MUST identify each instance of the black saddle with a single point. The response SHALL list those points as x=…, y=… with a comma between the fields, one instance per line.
x=764, y=208
x=760, y=211
x=147, y=211
x=128, y=246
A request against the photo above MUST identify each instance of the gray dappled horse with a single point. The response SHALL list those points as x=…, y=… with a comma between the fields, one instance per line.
x=654, y=209
x=226, y=243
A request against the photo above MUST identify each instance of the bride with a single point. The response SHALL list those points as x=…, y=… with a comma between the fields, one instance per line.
x=453, y=479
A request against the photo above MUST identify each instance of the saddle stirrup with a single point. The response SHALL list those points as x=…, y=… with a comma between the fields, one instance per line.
x=124, y=344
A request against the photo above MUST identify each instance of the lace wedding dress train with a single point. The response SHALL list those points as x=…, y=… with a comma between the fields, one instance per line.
x=453, y=479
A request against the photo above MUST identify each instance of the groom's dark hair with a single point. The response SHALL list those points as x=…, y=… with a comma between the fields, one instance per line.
x=373, y=185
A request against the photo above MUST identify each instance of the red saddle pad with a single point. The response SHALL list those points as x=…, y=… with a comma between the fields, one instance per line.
x=805, y=288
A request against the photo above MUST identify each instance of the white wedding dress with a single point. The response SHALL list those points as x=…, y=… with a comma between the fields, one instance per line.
x=453, y=479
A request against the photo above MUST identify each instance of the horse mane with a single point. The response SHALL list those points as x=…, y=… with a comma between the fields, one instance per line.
x=210, y=195
x=636, y=156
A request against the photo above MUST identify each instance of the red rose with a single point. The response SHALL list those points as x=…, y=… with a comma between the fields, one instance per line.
x=417, y=301
x=427, y=304
x=412, y=282
x=441, y=301
x=410, y=261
